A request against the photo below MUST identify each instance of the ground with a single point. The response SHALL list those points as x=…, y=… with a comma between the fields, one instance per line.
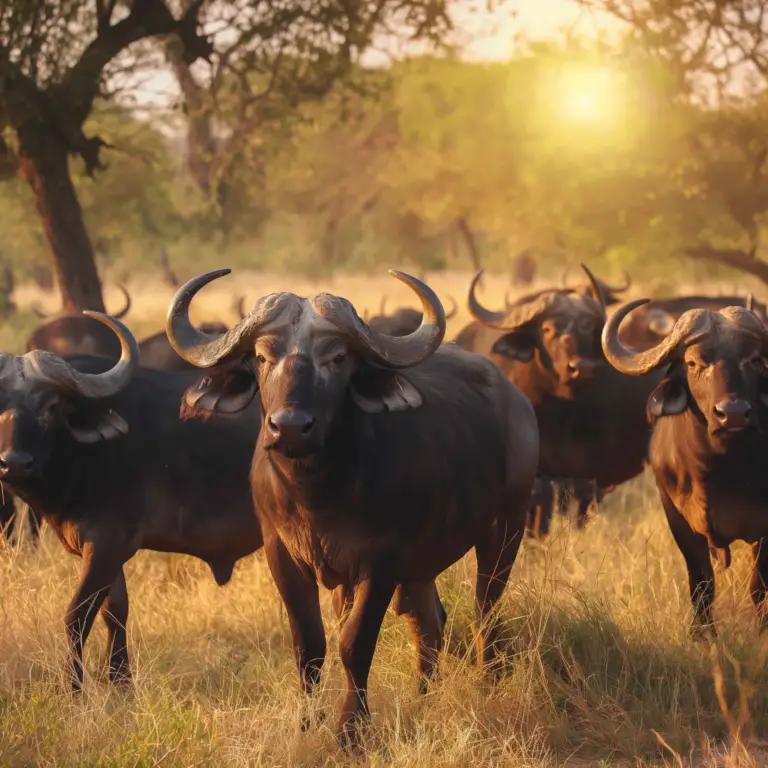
x=601, y=668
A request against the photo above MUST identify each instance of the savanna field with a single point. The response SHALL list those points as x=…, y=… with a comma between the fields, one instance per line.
x=601, y=669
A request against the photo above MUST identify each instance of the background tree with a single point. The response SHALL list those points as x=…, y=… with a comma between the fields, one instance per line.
x=53, y=61
x=272, y=58
x=718, y=49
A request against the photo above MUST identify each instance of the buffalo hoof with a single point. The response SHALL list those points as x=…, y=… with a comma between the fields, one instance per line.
x=75, y=679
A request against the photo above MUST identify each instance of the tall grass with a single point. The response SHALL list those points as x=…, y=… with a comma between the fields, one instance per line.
x=601, y=668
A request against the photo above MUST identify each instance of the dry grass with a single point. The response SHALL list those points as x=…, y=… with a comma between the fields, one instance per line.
x=601, y=668
x=151, y=297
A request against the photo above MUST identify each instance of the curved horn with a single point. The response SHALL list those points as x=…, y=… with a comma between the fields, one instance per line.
x=91, y=385
x=240, y=307
x=200, y=349
x=513, y=317
x=638, y=363
x=394, y=351
x=478, y=311
x=205, y=350
x=454, y=308
x=127, y=296
x=595, y=290
x=383, y=305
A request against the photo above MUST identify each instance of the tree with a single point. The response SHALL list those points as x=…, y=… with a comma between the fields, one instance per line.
x=719, y=51
x=273, y=58
x=54, y=59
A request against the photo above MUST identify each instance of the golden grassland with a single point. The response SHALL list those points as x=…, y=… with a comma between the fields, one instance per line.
x=150, y=297
x=601, y=668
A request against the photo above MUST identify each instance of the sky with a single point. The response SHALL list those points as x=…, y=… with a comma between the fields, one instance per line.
x=535, y=19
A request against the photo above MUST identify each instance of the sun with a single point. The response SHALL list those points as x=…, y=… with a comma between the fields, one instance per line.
x=587, y=94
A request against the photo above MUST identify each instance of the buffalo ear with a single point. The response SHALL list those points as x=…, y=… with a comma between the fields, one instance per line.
x=96, y=426
x=226, y=390
x=378, y=389
x=518, y=345
x=668, y=399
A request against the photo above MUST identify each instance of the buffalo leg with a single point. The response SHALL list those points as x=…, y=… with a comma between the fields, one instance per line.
x=298, y=590
x=495, y=558
x=759, y=584
x=585, y=497
x=101, y=568
x=540, y=512
x=420, y=602
x=701, y=575
x=35, y=522
x=357, y=644
x=8, y=515
x=114, y=611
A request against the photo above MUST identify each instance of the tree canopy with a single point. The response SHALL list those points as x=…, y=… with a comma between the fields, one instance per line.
x=292, y=155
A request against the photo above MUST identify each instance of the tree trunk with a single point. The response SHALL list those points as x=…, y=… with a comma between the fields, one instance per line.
x=44, y=163
x=469, y=240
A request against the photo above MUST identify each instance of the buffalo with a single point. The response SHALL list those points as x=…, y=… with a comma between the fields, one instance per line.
x=609, y=292
x=556, y=494
x=98, y=449
x=649, y=324
x=708, y=450
x=381, y=460
x=73, y=334
x=592, y=420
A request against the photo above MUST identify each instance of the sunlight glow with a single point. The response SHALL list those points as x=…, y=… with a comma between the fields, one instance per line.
x=588, y=94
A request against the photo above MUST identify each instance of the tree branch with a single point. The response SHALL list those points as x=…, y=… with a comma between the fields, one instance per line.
x=148, y=18
x=744, y=261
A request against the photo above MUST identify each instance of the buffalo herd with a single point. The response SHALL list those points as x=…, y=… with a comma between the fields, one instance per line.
x=368, y=455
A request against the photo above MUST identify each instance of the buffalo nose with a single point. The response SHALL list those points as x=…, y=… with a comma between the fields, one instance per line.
x=16, y=463
x=732, y=414
x=290, y=425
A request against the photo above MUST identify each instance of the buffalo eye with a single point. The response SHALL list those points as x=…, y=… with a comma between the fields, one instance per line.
x=340, y=358
x=757, y=361
x=691, y=365
x=548, y=331
x=48, y=408
x=260, y=359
